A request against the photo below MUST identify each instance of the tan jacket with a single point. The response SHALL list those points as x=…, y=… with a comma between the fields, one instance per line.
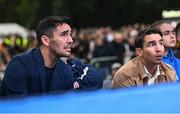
x=133, y=74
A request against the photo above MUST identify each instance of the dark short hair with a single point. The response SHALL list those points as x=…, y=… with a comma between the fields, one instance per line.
x=177, y=29
x=47, y=25
x=139, y=41
x=158, y=23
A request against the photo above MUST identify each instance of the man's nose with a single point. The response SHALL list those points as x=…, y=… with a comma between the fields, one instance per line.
x=70, y=39
x=172, y=35
x=159, y=47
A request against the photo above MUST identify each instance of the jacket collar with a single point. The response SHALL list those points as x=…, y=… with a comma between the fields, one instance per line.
x=170, y=54
x=60, y=67
x=142, y=71
x=40, y=65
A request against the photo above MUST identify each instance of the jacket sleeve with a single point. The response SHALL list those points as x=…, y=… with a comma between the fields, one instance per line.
x=87, y=76
x=65, y=78
x=15, y=79
x=122, y=80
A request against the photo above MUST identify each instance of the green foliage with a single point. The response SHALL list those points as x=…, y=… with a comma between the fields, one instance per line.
x=85, y=12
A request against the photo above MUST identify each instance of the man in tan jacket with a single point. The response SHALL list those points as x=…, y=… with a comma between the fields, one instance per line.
x=147, y=68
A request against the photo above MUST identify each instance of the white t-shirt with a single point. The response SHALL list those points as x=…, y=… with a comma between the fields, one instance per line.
x=151, y=79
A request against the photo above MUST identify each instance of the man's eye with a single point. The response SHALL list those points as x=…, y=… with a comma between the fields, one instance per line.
x=173, y=32
x=165, y=33
x=63, y=34
x=161, y=43
x=151, y=44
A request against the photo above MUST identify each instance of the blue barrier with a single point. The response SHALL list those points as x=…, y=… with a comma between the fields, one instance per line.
x=152, y=99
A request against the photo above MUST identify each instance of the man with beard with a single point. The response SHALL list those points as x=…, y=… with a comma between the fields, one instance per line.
x=40, y=71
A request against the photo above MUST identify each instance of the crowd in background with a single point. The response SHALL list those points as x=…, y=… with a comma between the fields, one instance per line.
x=14, y=44
x=89, y=43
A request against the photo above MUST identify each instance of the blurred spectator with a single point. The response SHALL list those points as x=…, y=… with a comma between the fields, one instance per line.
x=114, y=68
x=117, y=47
x=169, y=42
x=81, y=45
x=101, y=49
x=107, y=82
x=177, y=48
x=5, y=57
x=32, y=43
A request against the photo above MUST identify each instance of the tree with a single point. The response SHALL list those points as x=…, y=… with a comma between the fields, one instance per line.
x=86, y=12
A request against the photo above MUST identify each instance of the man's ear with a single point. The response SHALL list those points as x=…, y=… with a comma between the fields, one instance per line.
x=45, y=40
x=139, y=52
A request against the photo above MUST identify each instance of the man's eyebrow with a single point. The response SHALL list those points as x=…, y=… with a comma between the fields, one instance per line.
x=173, y=30
x=161, y=40
x=151, y=42
x=154, y=41
x=66, y=31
